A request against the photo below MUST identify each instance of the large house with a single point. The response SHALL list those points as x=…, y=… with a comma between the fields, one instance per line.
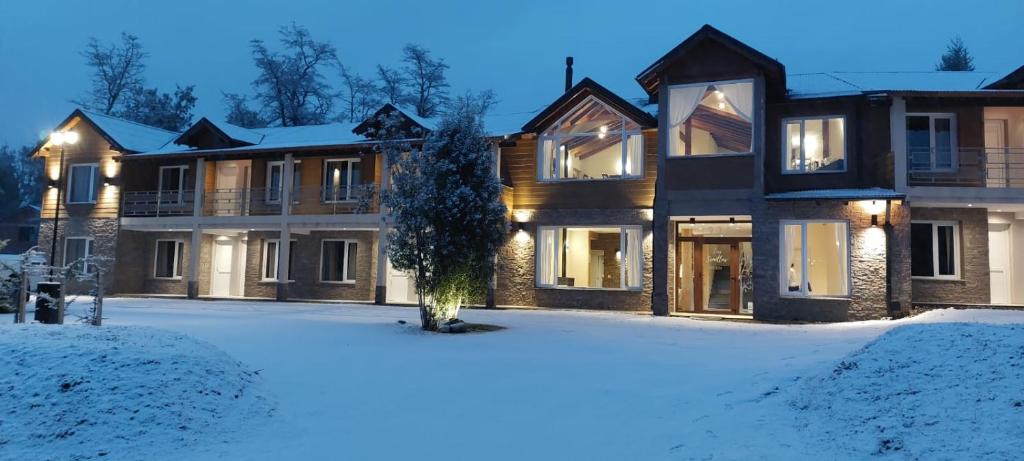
x=731, y=188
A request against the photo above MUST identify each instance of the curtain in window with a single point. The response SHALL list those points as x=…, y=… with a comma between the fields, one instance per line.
x=547, y=245
x=682, y=102
x=741, y=96
x=547, y=159
x=841, y=287
x=634, y=155
x=350, y=269
x=632, y=257
x=81, y=183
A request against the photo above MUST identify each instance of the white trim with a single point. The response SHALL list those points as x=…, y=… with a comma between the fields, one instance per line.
x=266, y=184
x=623, y=134
x=935, y=224
x=181, y=182
x=327, y=185
x=85, y=257
x=179, y=246
x=559, y=244
x=804, y=276
x=953, y=140
x=784, y=151
x=277, y=261
x=95, y=169
x=755, y=119
x=344, y=267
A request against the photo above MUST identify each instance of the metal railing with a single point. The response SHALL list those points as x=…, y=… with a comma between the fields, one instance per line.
x=157, y=203
x=967, y=167
x=353, y=199
x=253, y=201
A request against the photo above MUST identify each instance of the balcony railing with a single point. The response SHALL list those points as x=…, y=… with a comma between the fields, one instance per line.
x=967, y=167
x=157, y=203
x=309, y=200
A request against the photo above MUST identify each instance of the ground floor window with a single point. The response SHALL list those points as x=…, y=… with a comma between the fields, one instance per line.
x=77, y=251
x=168, y=261
x=338, y=261
x=589, y=257
x=814, y=258
x=935, y=249
x=271, y=255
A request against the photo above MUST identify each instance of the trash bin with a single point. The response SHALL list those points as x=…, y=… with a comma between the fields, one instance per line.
x=46, y=311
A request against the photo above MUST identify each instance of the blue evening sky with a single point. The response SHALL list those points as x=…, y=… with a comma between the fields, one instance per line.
x=515, y=48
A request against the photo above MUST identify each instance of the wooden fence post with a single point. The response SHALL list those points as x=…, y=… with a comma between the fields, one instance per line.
x=19, y=317
x=98, y=319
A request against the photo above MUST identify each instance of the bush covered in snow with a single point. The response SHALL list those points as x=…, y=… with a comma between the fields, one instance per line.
x=79, y=392
x=930, y=391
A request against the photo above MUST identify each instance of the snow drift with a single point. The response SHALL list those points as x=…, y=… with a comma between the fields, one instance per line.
x=80, y=392
x=930, y=391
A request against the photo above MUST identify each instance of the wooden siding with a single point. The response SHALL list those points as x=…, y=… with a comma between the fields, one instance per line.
x=90, y=148
x=520, y=165
x=709, y=172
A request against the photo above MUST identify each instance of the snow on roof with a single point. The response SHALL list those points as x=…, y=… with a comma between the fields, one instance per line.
x=851, y=194
x=239, y=133
x=332, y=134
x=823, y=84
x=131, y=135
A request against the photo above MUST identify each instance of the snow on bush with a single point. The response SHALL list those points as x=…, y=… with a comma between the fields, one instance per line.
x=930, y=391
x=80, y=392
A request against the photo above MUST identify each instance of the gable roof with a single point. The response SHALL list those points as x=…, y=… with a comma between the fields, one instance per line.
x=586, y=88
x=369, y=127
x=230, y=135
x=1011, y=81
x=829, y=84
x=123, y=135
x=648, y=78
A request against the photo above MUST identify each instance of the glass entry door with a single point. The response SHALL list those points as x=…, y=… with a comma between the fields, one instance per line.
x=713, y=274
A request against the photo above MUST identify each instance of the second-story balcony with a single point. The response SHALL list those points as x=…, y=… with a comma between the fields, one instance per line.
x=967, y=167
x=306, y=200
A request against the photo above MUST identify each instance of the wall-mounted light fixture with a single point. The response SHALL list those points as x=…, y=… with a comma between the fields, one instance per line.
x=874, y=220
x=516, y=226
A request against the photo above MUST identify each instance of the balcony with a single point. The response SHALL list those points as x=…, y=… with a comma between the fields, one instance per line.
x=306, y=200
x=967, y=167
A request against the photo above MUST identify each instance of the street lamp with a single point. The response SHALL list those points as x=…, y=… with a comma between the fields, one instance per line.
x=59, y=138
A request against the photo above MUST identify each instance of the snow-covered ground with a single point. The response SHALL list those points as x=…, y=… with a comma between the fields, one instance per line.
x=349, y=382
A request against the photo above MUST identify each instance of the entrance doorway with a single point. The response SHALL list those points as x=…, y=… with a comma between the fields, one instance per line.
x=228, y=259
x=401, y=287
x=713, y=267
x=999, y=262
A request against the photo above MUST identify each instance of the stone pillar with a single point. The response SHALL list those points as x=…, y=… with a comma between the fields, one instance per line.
x=197, y=235
x=659, y=226
x=380, y=290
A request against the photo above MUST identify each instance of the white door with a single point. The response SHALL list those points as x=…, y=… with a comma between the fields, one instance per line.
x=999, y=263
x=226, y=196
x=401, y=287
x=223, y=261
x=997, y=163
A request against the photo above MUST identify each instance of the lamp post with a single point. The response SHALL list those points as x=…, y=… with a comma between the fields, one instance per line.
x=59, y=138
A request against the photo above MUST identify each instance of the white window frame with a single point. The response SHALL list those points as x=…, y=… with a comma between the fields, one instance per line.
x=344, y=267
x=85, y=258
x=327, y=186
x=277, y=261
x=179, y=245
x=295, y=184
x=954, y=157
x=94, y=168
x=935, y=250
x=622, y=251
x=803, y=155
x=181, y=183
x=753, y=124
x=556, y=140
x=804, y=261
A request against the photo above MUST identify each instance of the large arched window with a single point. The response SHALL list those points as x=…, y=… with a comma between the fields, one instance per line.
x=593, y=141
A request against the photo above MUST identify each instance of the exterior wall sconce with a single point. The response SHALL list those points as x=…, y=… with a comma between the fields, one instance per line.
x=874, y=220
x=52, y=183
x=516, y=226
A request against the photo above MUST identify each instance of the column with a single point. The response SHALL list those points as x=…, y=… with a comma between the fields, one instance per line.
x=380, y=291
x=898, y=141
x=284, y=245
x=195, y=247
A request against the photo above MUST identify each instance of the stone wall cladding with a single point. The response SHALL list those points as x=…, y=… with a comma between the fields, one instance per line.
x=867, y=250
x=135, y=263
x=104, y=233
x=306, y=270
x=516, y=269
x=974, y=286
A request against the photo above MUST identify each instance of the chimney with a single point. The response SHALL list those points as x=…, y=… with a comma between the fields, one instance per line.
x=568, y=72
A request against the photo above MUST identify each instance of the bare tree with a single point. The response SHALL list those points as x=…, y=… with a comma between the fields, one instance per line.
x=239, y=112
x=359, y=95
x=427, y=84
x=392, y=85
x=291, y=86
x=116, y=71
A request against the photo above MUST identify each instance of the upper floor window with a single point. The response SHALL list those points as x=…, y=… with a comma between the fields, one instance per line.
x=172, y=183
x=593, y=141
x=82, y=183
x=711, y=118
x=275, y=181
x=340, y=175
x=814, y=145
x=931, y=141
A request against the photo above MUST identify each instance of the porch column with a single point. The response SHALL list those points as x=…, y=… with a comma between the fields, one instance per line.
x=380, y=291
x=284, y=249
x=192, y=288
x=898, y=141
x=287, y=182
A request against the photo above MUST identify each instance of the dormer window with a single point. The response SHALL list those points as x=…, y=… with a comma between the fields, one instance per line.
x=591, y=142
x=711, y=118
